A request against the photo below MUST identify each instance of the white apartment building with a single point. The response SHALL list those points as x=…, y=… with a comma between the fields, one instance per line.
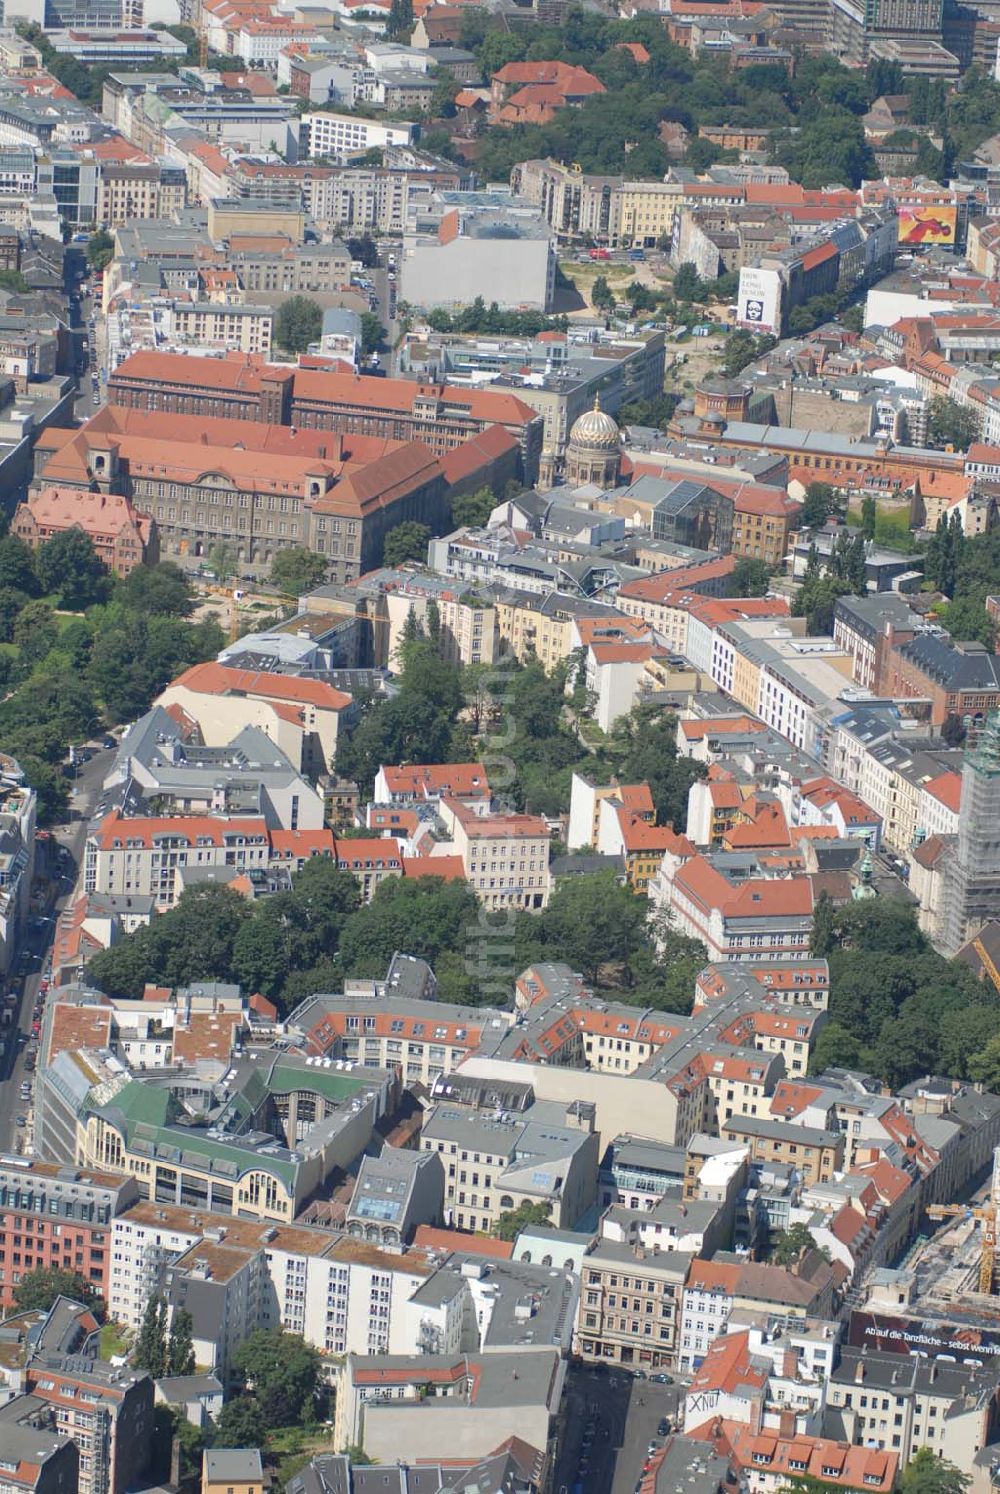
x=260, y=40
x=244, y=329
x=706, y=1304
x=143, y=855
x=343, y=1295
x=339, y=135
x=506, y=856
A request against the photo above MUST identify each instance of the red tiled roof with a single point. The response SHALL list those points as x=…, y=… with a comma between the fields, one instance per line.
x=430, y=1238
x=221, y=679
x=947, y=788
x=418, y=780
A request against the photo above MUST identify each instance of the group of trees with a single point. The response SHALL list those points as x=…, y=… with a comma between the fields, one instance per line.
x=278, y=1379
x=311, y=937
x=741, y=348
x=842, y=573
x=162, y=1351
x=620, y=127
x=297, y=569
x=815, y=113
x=966, y=570
x=952, y=424
x=62, y=676
x=38, y=1289
x=298, y=323
x=277, y=1388
x=898, y=1009
x=492, y=321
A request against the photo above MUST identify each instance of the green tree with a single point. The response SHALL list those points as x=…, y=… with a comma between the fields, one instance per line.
x=180, y=1345
x=222, y=560
x=828, y=150
x=426, y=916
x=869, y=514
x=261, y=956
x=984, y=1066
x=815, y=601
x=35, y=631
x=789, y=1245
x=365, y=250
x=966, y=619
x=647, y=739
x=372, y=334
x=37, y=1290
x=751, y=578
x=150, y=1351
x=820, y=502
x=498, y=48
x=400, y=22
x=298, y=323
x=241, y=1423
x=282, y=1372
x=13, y=280
x=594, y=922
x=688, y=285
x=821, y=939
x=69, y=568
x=17, y=567
x=407, y=541
x=297, y=569
x=602, y=297
x=170, y=1423
x=472, y=510
x=951, y=424
x=739, y=349
x=926, y=1473
x=160, y=590
x=100, y=249
x=525, y=1216
x=443, y=98
x=836, y=1048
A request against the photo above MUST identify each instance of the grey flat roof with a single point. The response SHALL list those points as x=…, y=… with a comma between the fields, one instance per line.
x=238, y=1464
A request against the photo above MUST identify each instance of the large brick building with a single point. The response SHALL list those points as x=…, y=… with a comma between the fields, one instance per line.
x=56, y=1218
x=207, y=479
x=122, y=537
x=325, y=399
x=960, y=680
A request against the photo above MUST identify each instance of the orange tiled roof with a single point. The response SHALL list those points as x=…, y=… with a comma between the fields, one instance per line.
x=221, y=679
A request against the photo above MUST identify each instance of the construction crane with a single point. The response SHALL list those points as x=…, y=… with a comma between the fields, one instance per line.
x=986, y=1213
x=987, y=964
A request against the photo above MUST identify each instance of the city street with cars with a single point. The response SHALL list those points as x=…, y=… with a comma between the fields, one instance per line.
x=613, y=1420
x=30, y=979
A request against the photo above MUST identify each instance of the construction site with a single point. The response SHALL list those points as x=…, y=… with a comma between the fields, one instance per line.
x=941, y=1300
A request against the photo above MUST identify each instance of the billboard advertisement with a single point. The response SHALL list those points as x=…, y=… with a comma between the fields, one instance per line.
x=932, y=1337
x=933, y=224
x=759, y=300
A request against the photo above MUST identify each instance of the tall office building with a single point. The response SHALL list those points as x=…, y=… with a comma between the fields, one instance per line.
x=855, y=24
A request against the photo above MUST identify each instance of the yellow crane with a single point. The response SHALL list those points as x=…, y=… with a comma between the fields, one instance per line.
x=987, y=963
x=988, y=1217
